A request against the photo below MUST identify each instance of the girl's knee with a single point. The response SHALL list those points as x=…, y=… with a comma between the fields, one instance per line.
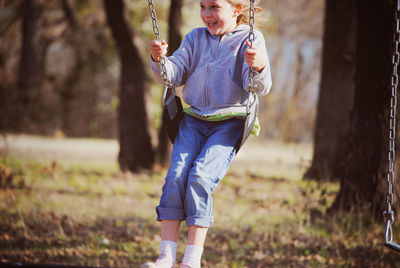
x=176, y=174
x=200, y=184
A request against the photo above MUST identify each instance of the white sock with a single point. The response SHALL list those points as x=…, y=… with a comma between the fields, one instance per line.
x=192, y=256
x=169, y=248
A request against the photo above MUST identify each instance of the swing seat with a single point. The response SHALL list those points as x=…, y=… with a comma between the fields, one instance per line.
x=251, y=118
x=172, y=112
x=393, y=246
x=389, y=237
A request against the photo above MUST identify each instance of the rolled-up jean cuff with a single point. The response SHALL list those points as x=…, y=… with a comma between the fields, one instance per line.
x=200, y=221
x=170, y=214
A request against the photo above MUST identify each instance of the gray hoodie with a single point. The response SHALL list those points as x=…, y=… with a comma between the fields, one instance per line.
x=213, y=71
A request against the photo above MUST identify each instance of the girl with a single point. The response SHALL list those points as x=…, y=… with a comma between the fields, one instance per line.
x=213, y=65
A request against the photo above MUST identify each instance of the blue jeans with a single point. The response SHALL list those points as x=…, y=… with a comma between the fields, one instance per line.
x=201, y=155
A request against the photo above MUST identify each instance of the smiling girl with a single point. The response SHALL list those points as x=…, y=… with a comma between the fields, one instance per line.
x=213, y=65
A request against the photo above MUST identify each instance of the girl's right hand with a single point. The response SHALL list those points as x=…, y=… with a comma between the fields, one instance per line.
x=158, y=49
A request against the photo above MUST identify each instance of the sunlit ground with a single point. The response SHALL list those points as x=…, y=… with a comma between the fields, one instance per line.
x=65, y=201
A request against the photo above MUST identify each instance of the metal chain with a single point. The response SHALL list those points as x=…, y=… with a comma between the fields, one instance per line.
x=156, y=30
x=389, y=213
x=251, y=40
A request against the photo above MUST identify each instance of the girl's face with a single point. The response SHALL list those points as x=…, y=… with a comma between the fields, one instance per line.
x=219, y=16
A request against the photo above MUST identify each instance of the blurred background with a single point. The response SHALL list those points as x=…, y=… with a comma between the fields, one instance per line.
x=76, y=82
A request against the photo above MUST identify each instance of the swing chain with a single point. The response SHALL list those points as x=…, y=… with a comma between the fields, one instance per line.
x=389, y=213
x=251, y=40
x=156, y=30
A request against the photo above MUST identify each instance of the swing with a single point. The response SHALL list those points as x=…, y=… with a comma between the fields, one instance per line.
x=172, y=105
x=389, y=213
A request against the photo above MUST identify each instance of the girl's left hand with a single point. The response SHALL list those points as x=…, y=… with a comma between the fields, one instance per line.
x=255, y=58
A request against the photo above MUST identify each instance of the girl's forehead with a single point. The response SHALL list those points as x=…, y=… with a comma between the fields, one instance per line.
x=212, y=1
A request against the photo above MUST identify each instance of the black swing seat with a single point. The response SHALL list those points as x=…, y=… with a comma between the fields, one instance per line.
x=172, y=112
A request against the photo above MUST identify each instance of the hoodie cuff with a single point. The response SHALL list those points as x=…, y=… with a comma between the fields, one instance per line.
x=155, y=65
x=262, y=73
x=152, y=59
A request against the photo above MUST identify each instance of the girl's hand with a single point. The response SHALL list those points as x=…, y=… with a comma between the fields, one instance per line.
x=254, y=57
x=158, y=49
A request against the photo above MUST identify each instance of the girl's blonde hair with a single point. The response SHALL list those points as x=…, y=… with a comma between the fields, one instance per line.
x=243, y=18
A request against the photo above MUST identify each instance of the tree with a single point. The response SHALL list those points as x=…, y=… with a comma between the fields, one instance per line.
x=89, y=51
x=174, y=41
x=39, y=29
x=9, y=51
x=363, y=183
x=32, y=61
x=68, y=91
x=336, y=89
x=134, y=138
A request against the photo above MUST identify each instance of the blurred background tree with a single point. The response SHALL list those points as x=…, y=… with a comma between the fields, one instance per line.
x=364, y=159
x=76, y=93
x=35, y=43
x=293, y=34
x=336, y=90
x=134, y=138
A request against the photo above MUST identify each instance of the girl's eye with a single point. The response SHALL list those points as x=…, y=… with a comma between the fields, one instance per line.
x=210, y=7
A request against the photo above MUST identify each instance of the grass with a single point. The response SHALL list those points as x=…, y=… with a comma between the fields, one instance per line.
x=88, y=213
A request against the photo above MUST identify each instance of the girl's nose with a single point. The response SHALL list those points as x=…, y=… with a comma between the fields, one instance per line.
x=206, y=13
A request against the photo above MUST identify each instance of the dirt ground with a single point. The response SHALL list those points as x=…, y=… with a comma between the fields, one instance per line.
x=67, y=202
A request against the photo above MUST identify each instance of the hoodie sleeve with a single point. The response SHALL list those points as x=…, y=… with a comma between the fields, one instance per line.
x=262, y=80
x=177, y=65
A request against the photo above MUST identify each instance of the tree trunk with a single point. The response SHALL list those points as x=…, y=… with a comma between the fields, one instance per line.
x=337, y=89
x=32, y=64
x=174, y=41
x=134, y=138
x=175, y=23
x=68, y=92
x=363, y=184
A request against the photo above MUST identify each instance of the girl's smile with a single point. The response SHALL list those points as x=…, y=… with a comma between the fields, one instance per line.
x=219, y=16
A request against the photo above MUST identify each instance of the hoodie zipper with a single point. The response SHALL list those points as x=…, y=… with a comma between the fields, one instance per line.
x=206, y=101
x=206, y=93
x=206, y=89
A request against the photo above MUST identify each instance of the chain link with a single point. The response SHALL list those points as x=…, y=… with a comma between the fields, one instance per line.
x=389, y=213
x=156, y=30
x=251, y=40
